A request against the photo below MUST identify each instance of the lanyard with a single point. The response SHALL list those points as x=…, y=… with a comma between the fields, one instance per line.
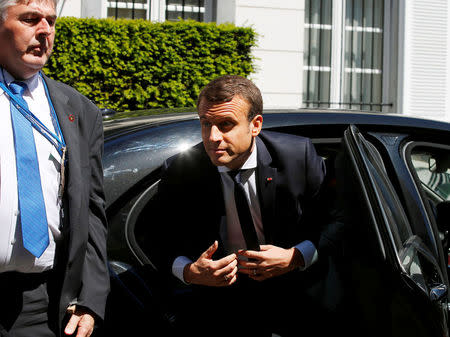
x=57, y=140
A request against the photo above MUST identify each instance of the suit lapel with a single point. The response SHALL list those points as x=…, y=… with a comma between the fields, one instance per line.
x=212, y=176
x=68, y=121
x=266, y=186
x=209, y=192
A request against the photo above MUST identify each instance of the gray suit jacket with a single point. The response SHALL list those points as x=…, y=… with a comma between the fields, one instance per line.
x=81, y=259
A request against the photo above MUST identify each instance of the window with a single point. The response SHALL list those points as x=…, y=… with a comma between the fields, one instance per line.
x=317, y=56
x=343, y=59
x=399, y=228
x=160, y=10
x=128, y=9
x=185, y=9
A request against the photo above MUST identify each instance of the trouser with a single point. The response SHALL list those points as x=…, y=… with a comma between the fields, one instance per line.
x=25, y=301
x=252, y=308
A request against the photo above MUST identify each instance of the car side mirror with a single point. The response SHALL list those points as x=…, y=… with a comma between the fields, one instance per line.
x=439, y=163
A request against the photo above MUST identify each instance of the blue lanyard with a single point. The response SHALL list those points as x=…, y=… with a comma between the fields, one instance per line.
x=56, y=140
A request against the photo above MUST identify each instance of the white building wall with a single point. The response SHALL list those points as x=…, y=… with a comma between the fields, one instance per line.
x=424, y=59
x=279, y=51
x=69, y=8
x=92, y=9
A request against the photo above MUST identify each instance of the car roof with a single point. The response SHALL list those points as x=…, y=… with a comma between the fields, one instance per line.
x=147, y=140
x=276, y=118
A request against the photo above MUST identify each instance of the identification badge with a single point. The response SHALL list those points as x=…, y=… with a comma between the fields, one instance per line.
x=62, y=179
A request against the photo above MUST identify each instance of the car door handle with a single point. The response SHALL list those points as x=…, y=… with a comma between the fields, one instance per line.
x=438, y=292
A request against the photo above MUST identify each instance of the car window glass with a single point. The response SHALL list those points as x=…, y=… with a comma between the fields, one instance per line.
x=420, y=264
x=432, y=166
x=130, y=157
x=395, y=217
x=118, y=249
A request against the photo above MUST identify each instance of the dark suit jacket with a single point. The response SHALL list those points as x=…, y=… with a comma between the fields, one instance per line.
x=81, y=261
x=190, y=200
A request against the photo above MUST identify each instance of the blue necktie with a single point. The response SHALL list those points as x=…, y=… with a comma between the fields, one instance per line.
x=33, y=217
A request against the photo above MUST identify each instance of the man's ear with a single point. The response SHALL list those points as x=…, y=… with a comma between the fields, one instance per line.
x=256, y=125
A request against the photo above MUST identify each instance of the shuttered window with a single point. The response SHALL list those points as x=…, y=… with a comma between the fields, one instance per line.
x=343, y=59
x=317, y=56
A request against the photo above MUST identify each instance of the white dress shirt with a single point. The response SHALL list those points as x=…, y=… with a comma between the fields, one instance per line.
x=230, y=229
x=13, y=256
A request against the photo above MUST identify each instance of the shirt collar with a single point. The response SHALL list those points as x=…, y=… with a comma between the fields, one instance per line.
x=32, y=83
x=250, y=163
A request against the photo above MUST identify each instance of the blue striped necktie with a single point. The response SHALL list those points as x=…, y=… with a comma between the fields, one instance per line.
x=33, y=217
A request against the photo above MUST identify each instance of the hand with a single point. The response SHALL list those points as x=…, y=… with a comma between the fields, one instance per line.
x=81, y=321
x=209, y=272
x=270, y=261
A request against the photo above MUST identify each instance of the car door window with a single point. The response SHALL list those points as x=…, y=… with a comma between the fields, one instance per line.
x=416, y=260
x=420, y=265
x=397, y=228
x=430, y=165
x=414, y=267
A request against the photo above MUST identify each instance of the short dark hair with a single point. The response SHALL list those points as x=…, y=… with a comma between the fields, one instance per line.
x=224, y=88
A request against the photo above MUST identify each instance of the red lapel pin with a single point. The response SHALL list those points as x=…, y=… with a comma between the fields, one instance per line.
x=71, y=117
x=269, y=179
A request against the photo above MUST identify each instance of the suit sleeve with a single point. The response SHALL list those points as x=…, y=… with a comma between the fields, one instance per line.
x=315, y=171
x=95, y=276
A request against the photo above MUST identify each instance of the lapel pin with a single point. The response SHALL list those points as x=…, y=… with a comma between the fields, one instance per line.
x=71, y=117
x=269, y=179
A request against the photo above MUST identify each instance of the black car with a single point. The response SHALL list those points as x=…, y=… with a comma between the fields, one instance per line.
x=391, y=174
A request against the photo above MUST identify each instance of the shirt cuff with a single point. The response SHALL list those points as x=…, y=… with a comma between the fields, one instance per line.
x=178, y=267
x=309, y=252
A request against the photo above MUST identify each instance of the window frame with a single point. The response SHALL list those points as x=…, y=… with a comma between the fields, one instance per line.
x=156, y=10
x=185, y=8
x=107, y=4
x=424, y=192
x=431, y=146
x=337, y=66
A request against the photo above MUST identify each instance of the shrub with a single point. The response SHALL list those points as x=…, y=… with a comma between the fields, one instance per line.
x=137, y=64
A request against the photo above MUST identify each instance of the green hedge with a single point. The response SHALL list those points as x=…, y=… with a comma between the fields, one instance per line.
x=136, y=64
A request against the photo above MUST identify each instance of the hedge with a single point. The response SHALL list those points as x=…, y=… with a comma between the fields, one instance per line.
x=136, y=64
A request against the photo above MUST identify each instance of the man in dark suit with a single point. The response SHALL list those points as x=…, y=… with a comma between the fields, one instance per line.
x=254, y=279
x=53, y=269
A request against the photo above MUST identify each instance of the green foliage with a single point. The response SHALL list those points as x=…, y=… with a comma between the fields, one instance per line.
x=135, y=64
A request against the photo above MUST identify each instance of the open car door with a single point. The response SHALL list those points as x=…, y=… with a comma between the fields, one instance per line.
x=396, y=282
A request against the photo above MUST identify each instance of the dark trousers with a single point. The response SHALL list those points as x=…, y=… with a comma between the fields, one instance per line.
x=251, y=308
x=25, y=301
